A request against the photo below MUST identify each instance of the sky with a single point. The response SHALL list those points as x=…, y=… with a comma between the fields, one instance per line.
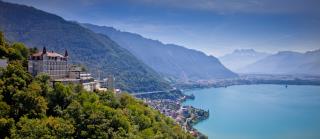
x=215, y=27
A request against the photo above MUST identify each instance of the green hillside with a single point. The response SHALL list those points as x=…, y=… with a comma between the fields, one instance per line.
x=168, y=59
x=97, y=52
x=31, y=108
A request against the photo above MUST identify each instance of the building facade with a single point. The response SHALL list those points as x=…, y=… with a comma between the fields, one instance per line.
x=56, y=66
x=51, y=63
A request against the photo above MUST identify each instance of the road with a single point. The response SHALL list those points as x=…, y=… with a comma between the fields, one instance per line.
x=151, y=92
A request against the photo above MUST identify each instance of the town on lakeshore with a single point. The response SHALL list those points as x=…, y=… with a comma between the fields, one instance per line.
x=186, y=116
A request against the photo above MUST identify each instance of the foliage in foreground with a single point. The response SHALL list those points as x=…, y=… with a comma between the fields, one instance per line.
x=31, y=108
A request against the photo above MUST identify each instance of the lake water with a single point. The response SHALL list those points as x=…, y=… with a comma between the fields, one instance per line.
x=259, y=112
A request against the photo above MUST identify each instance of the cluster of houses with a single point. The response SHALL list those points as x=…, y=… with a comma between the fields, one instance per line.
x=57, y=67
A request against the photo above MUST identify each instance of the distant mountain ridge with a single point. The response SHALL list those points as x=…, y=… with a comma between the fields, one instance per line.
x=168, y=59
x=287, y=62
x=240, y=58
x=97, y=52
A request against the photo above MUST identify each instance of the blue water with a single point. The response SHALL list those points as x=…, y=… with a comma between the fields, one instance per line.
x=259, y=112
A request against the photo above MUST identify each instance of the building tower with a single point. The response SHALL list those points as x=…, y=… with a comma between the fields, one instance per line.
x=110, y=83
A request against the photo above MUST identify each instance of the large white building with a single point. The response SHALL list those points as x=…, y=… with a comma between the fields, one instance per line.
x=51, y=63
x=56, y=66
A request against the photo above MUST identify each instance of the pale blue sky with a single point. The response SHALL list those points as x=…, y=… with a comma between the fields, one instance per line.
x=213, y=26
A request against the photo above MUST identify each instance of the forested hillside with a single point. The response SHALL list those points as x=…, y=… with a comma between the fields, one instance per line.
x=31, y=108
x=168, y=59
x=98, y=53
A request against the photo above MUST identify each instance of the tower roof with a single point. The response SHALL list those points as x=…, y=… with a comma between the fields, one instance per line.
x=66, y=53
x=44, y=50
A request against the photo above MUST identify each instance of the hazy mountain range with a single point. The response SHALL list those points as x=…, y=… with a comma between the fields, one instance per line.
x=97, y=52
x=138, y=63
x=241, y=58
x=170, y=60
x=287, y=62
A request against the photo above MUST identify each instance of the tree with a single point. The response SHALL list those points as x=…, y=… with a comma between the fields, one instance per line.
x=43, y=128
x=59, y=98
x=2, y=41
x=92, y=118
x=3, y=45
x=5, y=121
x=30, y=102
x=109, y=99
x=33, y=50
x=15, y=78
x=16, y=51
x=21, y=51
x=44, y=81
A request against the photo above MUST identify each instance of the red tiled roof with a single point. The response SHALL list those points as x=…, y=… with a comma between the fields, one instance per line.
x=51, y=54
x=37, y=54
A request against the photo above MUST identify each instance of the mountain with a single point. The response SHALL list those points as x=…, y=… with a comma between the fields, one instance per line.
x=37, y=28
x=240, y=58
x=170, y=60
x=287, y=62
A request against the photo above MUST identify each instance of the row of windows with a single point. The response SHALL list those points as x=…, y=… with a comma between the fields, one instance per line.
x=56, y=58
x=57, y=73
x=51, y=63
x=55, y=67
x=56, y=63
x=50, y=58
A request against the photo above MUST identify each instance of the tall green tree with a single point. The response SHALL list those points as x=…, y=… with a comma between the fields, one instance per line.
x=30, y=102
x=15, y=79
x=3, y=47
x=49, y=128
x=59, y=98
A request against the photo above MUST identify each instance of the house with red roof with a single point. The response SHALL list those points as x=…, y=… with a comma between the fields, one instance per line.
x=51, y=63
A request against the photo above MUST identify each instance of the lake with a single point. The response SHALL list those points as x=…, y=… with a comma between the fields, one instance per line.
x=259, y=112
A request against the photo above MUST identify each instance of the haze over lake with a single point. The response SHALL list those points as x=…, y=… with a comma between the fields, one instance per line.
x=259, y=112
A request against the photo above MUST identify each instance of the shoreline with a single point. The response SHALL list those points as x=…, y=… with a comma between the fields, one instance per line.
x=189, y=87
x=172, y=106
x=196, y=121
x=185, y=116
x=247, y=79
